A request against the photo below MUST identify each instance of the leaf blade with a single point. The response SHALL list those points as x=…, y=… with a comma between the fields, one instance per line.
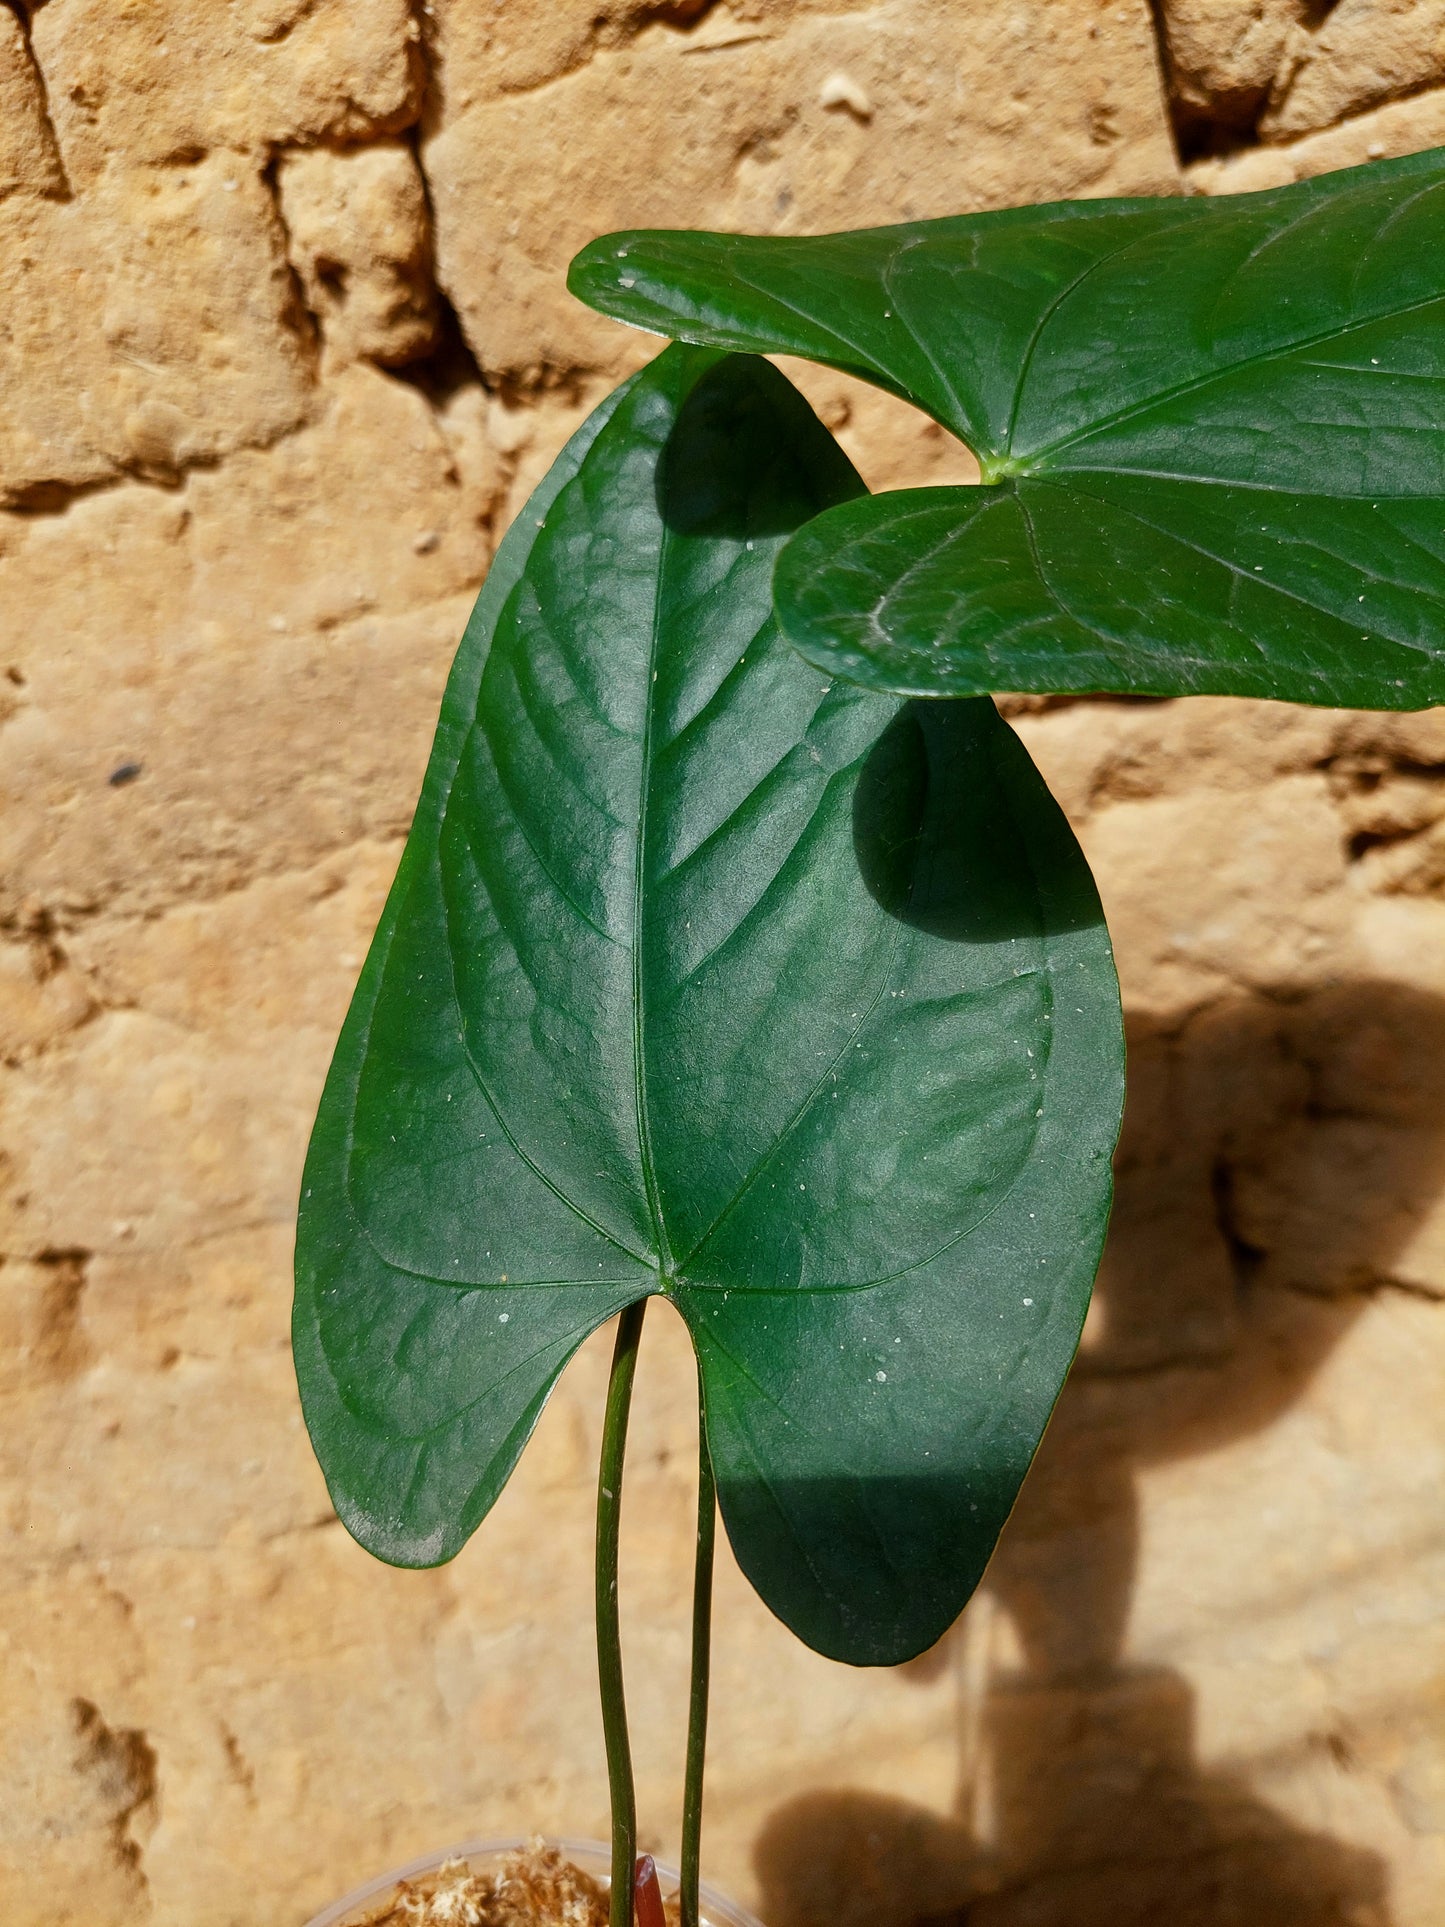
x=1183, y=376
x=707, y=976
x=1063, y=588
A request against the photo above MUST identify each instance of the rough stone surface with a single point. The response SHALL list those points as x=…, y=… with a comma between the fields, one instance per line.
x=1366, y=52
x=284, y=345
x=166, y=80
x=150, y=325
x=1401, y=127
x=1281, y=69
x=359, y=233
x=788, y=120
x=1226, y=59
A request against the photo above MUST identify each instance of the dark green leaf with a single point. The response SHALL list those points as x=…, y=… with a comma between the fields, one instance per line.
x=1213, y=431
x=704, y=976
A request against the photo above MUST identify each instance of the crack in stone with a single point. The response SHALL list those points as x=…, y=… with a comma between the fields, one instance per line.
x=1364, y=1283
x=61, y=1350
x=37, y=930
x=36, y=500
x=42, y=500
x=1245, y=1257
x=606, y=35
x=123, y=1767
x=202, y=889
x=1224, y=125
x=238, y=1766
x=137, y=1248
x=63, y=190
x=297, y=315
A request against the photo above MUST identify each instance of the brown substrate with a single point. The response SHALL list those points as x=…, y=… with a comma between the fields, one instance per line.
x=534, y=1887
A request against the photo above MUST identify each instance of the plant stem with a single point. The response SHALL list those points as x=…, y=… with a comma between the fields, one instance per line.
x=701, y=1669
x=609, y=1632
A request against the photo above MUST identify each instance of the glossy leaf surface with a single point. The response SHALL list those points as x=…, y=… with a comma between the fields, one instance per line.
x=704, y=976
x=1212, y=428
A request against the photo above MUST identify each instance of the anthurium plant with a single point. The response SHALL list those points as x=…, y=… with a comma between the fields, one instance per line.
x=728, y=964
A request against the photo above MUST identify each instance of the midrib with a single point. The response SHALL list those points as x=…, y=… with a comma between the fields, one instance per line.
x=639, y=1026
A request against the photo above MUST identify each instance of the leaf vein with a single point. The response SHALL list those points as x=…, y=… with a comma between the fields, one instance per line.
x=1109, y=423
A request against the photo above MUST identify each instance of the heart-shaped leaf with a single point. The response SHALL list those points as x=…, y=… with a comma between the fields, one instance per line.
x=1212, y=428
x=703, y=976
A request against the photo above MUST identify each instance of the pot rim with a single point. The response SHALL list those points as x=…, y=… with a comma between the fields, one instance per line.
x=593, y=1856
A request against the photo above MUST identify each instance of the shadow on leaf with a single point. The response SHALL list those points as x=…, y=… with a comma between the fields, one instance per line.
x=938, y=848
x=710, y=481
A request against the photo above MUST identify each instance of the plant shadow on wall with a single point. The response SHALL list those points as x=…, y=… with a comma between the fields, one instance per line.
x=1276, y=1155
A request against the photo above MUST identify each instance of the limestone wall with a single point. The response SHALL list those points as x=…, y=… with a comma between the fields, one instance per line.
x=283, y=342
